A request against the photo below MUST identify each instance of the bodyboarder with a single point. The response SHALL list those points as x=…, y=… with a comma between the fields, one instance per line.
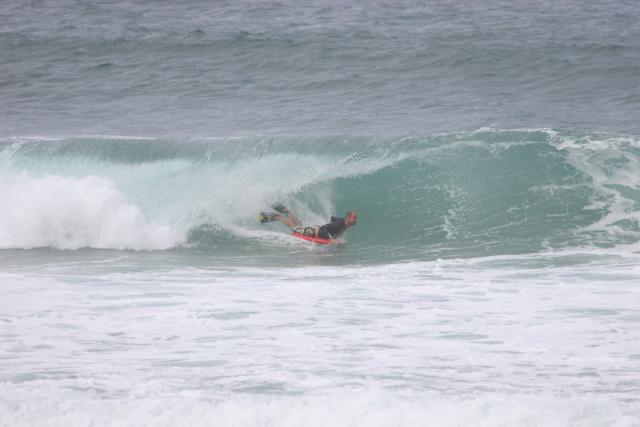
x=330, y=231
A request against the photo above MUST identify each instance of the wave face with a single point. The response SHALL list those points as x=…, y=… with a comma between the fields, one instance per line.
x=465, y=194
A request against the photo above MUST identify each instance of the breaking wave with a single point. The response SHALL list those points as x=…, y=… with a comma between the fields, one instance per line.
x=450, y=195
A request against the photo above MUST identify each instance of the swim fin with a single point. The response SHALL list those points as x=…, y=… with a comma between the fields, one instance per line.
x=279, y=207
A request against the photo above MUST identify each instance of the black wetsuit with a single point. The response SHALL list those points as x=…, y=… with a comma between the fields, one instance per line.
x=332, y=230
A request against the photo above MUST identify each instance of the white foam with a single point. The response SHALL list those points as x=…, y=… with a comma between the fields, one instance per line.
x=368, y=407
x=513, y=340
x=72, y=213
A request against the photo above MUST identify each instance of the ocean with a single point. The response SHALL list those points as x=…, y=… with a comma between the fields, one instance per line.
x=491, y=150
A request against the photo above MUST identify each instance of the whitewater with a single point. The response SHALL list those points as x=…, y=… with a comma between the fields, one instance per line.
x=491, y=150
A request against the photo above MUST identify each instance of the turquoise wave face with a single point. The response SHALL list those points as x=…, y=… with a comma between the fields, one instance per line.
x=467, y=194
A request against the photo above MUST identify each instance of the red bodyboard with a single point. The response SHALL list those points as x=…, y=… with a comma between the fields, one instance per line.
x=317, y=240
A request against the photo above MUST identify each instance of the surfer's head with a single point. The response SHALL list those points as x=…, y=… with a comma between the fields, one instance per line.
x=351, y=218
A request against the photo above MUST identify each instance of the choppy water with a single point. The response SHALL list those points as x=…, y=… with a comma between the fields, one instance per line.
x=325, y=67
x=490, y=148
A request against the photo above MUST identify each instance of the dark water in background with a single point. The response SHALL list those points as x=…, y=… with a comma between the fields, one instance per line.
x=202, y=68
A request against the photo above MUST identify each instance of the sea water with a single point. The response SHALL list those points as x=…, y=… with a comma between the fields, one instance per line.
x=491, y=150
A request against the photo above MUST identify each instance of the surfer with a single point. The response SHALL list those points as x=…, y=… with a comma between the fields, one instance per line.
x=329, y=231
